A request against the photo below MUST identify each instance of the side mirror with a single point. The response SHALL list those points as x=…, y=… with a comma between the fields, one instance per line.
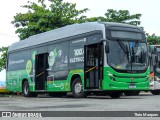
x=107, y=47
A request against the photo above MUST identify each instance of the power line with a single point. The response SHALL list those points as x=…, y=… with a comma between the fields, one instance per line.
x=7, y=35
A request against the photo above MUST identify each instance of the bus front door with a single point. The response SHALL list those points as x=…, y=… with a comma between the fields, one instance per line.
x=93, y=65
x=41, y=72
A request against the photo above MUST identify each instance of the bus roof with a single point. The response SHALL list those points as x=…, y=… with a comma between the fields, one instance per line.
x=64, y=32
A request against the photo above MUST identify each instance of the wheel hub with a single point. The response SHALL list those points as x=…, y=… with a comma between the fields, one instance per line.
x=78, y=88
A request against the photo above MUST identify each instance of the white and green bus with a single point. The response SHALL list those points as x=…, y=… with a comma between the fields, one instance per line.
x=93, y=57
x=154, y=60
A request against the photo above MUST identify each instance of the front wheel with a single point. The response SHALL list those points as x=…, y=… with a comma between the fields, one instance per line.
x=77, y=89
x=155, y=92
x=115, y=95
x=137, y=92
x=26, y=91
x=132, y=93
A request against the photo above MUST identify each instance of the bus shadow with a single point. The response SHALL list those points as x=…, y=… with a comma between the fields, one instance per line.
x=70, y=96
x=106, y=97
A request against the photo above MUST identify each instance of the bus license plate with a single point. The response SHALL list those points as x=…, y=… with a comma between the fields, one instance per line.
x=132, y=86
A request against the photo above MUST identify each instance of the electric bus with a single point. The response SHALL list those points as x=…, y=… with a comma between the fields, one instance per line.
x=91, y=57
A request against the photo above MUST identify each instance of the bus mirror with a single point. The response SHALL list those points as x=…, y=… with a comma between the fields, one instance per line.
x=107, y=47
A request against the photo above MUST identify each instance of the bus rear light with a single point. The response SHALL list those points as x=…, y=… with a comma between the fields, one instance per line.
x=151, y=85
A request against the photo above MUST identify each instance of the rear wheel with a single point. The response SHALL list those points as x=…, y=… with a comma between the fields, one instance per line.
x=77, y=89
x=26, y=90
x=155, y=92
x=115, y=95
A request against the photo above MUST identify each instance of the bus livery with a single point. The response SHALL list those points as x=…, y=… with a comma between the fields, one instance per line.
x=80, y=58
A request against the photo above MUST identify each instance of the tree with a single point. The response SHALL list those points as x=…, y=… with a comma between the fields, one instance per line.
x=41, y=18
x=153, y=39
x=3, y=52
x=120, y=16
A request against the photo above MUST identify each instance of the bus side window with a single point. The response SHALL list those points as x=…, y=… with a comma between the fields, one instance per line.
x=76, y=53
x=61, y=59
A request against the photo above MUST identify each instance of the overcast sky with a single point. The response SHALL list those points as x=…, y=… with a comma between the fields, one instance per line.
x=149, y=9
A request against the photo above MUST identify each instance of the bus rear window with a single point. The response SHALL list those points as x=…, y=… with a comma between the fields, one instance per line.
x=127, y=34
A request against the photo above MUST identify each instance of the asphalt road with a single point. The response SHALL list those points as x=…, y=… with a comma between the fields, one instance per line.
x=143, y=102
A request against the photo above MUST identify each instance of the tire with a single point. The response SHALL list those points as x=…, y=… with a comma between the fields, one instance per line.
x=132, y=93
x=155, y=92
x=137, y=92
x=26, y=90
x=116, y=95
x=77, y=89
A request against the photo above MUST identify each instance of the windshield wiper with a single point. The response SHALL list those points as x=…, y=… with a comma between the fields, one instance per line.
x=124, y=48
x=122, y=45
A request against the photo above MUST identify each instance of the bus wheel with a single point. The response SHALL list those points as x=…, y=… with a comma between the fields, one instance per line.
x=137, y=92
x=132, y=93
x=26, y=91
x=116, y=94
x=155, y=92
x=77, y=89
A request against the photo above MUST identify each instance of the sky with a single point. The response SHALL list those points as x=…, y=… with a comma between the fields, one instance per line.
x=149, y=9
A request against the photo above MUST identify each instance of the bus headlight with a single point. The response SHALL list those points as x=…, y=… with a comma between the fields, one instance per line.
x=112, y=78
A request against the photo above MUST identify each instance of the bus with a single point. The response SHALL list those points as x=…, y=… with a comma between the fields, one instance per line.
x=154, y=60
x=86, y=58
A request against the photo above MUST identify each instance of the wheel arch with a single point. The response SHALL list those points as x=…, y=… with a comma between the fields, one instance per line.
x=73, y=77
x=76, y=78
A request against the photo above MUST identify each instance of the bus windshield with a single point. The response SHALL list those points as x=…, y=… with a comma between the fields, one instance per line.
x=127, y=55
x=157, y=63
x=158, y=52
